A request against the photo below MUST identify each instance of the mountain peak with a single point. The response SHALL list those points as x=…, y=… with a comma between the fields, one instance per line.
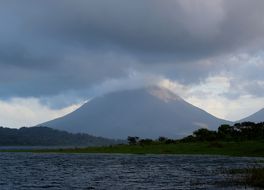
x=164, y=94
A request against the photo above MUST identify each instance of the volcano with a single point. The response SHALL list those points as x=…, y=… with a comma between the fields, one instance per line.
x=146, y=113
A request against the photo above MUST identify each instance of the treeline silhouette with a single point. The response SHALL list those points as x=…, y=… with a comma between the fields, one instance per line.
x=137, y=141
x=238, y=132
x=44, y=136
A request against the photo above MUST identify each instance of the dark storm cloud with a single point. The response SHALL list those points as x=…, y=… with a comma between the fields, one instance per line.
x=179, y=29
x=21, y=57
x=50, y=47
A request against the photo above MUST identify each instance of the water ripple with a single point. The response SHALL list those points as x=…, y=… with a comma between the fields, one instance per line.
x=28, y=171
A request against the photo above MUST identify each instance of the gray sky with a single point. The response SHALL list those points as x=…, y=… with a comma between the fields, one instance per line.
x=55, y=55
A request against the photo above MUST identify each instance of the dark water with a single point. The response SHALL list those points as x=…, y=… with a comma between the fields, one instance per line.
x=105, y=171
x=38, y=147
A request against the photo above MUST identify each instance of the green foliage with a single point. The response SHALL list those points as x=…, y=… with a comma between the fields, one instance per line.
x=132, y=140
x=189, y=138
x=142, y=142
x=243, y=148
x=226, y=131
x=239, y=132
x=145, y=142
x=242, y=139
x=205, y=135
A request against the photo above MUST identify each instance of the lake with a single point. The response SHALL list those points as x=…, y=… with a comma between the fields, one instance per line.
x=28, y=171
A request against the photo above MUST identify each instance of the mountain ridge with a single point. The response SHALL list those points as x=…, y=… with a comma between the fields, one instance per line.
x=44, y=136
x=257, y=117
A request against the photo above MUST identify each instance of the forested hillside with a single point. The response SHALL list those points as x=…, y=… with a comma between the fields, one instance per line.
x=44, y=136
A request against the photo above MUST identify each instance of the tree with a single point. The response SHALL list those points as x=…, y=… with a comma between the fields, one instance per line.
x=205, y=135
x=162, y=139
x=132, y=140
x=145, y=142
x=225, y=132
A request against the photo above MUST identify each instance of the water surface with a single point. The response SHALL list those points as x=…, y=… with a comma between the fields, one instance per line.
x=28, y=171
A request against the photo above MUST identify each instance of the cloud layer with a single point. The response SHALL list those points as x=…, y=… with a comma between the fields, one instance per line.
x=19, y=112
x=80, y=49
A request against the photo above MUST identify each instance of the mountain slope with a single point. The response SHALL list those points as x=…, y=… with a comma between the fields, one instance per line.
x=44, y=136
x=256, y=117
x=147, y=113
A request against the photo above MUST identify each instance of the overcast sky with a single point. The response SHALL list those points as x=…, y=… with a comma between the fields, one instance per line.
x=55, y=55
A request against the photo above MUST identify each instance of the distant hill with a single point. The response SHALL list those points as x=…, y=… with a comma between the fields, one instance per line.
x=44, y=136
x=146, y=113
x=256, y=117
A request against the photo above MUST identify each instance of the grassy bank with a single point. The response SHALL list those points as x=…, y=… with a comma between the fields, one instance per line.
x=244, y=148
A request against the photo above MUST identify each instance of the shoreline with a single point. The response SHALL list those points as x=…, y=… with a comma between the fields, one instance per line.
x=237, y=149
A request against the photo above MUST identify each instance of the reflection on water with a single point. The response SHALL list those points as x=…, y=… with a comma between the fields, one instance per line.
x=107, y=171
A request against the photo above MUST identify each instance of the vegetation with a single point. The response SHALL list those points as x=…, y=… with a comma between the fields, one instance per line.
x=242, y=139
x=238, y=132
x=44, y=136
x=248, y=176
x=246, y=131
x=245, y=148
x=255, y=177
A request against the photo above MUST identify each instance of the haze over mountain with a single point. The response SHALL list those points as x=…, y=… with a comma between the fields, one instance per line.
x=256, y=117
x=146, y=112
